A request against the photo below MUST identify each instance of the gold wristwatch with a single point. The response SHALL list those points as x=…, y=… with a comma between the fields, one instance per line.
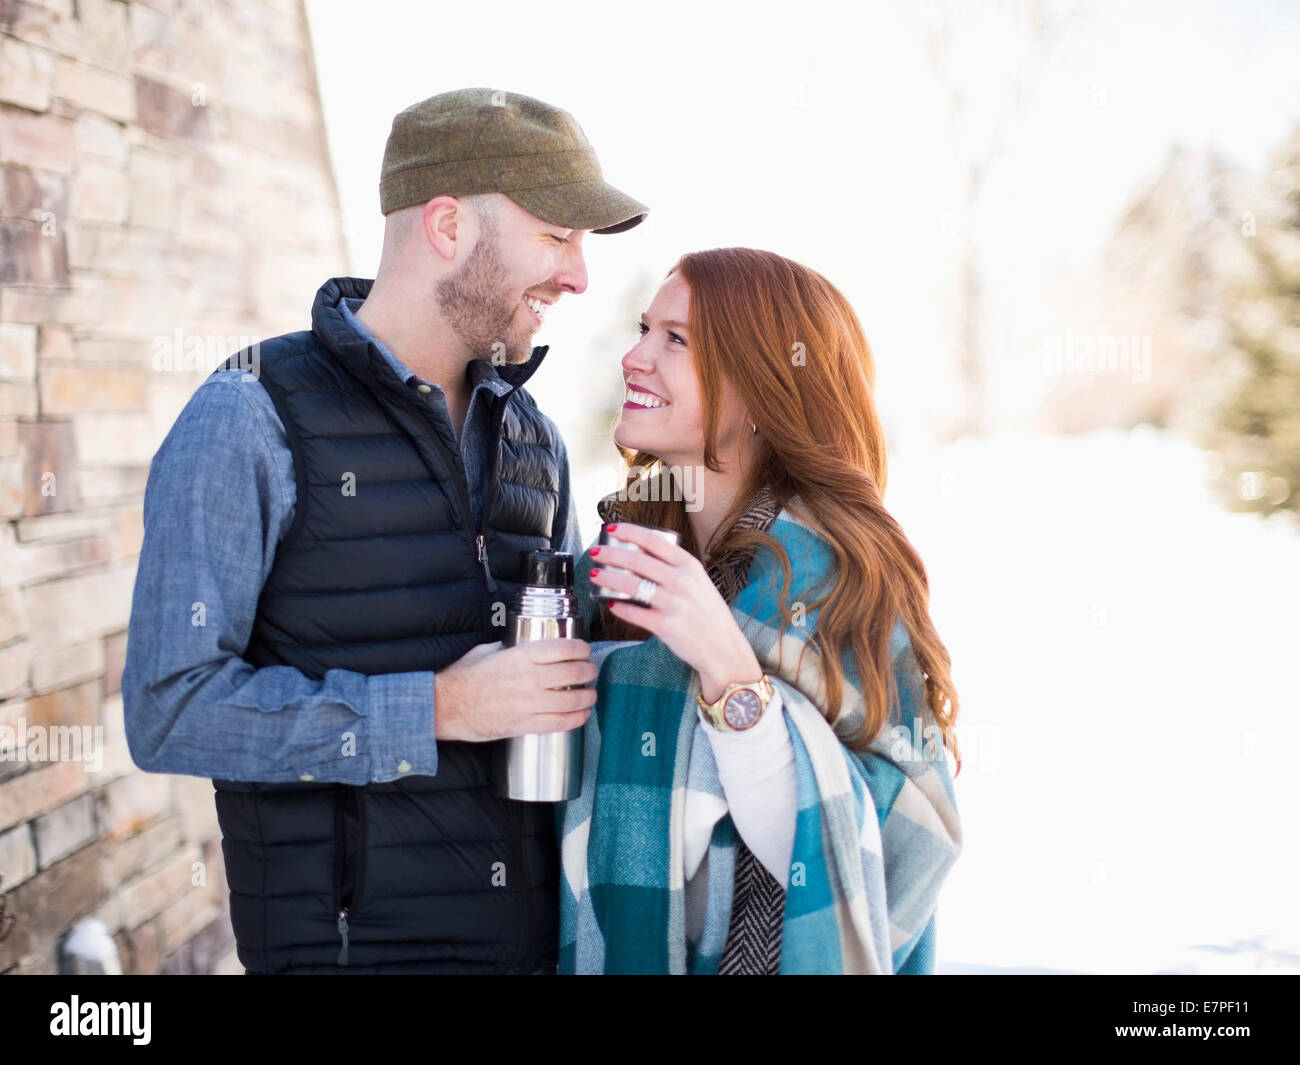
x=740, y=706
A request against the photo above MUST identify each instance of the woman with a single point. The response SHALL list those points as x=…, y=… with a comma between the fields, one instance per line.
x=804, y=823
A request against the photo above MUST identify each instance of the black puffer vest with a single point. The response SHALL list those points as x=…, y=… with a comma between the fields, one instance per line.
x=421, y=874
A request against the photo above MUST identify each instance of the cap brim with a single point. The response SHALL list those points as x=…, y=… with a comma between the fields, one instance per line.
x=586, y=205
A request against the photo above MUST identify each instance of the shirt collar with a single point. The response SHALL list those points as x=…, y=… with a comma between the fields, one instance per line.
x=481, y=372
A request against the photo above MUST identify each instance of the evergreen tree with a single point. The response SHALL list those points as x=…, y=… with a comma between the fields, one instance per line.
x=1256, y=429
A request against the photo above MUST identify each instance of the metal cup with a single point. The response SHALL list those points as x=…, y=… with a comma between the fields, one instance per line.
x=601, y=591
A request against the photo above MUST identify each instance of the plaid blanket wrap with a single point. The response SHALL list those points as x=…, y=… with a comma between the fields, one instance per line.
x=876, y=832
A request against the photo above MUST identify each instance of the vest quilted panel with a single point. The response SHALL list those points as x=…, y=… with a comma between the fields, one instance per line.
x=379, y=574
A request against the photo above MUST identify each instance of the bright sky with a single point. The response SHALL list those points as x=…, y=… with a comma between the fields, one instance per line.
x=817, y=131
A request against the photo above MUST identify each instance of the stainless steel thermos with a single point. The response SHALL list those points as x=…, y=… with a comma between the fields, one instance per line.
x=547, y=766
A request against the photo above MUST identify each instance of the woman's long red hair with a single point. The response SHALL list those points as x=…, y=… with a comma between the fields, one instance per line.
x=790, y=344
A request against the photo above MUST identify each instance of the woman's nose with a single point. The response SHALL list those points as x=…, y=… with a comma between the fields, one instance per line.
x=637, y=360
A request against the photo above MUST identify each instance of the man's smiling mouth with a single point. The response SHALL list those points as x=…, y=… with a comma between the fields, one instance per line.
x=536, y=306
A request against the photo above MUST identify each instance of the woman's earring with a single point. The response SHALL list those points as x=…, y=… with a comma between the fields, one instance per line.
x=754, y=427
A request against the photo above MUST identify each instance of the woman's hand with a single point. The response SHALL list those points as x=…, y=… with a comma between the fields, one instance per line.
x=686, y=611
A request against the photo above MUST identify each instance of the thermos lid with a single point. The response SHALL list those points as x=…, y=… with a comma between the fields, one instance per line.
x=549, y=569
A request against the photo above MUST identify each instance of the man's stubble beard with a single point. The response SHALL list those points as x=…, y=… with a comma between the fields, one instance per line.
x=479, y=305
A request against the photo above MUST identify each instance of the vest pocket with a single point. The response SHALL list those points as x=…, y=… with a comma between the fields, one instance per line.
x=349, y=860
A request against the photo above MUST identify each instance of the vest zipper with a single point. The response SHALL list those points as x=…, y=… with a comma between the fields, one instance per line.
x=523, y=883
x=458, y=464
x=499, y=414
x=481, y=541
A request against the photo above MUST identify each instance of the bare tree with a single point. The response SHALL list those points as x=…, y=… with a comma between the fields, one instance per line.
x=955, y=36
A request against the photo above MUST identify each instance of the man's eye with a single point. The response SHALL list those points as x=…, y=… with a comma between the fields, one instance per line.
x=559, y=240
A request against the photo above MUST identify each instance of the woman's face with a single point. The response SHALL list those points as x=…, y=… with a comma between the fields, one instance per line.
x=669, y=422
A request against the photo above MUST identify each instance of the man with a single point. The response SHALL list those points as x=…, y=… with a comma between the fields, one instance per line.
x=329, y=544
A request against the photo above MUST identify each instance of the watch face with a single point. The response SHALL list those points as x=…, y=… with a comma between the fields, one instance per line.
x=742, y=709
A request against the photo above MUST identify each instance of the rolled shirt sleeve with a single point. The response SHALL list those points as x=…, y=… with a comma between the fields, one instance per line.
x=219, y=497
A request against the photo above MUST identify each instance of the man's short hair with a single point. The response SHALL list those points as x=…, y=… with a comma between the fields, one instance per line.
x=400, y=224
x=487, y=208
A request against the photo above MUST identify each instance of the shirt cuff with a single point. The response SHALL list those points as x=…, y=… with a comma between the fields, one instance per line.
x=400, y=721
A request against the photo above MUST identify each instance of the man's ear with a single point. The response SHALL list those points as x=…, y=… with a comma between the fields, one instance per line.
x=446, y=225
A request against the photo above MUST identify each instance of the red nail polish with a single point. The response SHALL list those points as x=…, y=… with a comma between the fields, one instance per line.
x=595, y=551
x=611, y=528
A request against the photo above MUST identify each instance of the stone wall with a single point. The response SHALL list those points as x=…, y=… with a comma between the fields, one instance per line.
x=165, y=178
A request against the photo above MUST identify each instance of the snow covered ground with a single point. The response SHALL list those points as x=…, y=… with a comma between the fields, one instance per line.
x=1125, y=654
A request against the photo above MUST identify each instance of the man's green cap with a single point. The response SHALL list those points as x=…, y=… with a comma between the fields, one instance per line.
x=484, y=140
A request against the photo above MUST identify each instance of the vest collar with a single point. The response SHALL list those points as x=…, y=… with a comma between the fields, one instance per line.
x=363, y=360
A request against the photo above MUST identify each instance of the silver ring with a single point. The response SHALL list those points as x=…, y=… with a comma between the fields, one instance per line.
x=645, y=591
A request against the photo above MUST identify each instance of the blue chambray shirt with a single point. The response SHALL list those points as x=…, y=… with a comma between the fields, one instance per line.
x=220, y=497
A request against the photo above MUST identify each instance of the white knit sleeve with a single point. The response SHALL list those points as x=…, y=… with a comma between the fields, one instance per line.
x=756, y=769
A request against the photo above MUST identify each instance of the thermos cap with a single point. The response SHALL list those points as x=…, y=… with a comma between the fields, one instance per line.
x=549, y=569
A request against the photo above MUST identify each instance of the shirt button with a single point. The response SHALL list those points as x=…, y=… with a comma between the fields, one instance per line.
x=403, y=766
x=424, y=389
x=306, y=776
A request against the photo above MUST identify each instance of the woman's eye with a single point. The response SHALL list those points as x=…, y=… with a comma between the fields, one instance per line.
x=643, y=329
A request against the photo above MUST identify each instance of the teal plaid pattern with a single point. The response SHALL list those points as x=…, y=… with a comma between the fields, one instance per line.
x=876, y=832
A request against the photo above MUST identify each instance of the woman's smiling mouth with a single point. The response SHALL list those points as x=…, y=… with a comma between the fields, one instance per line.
x=635, y=399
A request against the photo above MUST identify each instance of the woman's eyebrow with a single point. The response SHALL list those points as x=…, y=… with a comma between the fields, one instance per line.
x=671, y=323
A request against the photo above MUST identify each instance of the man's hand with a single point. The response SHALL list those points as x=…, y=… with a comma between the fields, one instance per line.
x=494, y=691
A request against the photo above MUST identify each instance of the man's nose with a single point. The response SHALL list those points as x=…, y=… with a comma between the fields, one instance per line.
x=572, y=275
